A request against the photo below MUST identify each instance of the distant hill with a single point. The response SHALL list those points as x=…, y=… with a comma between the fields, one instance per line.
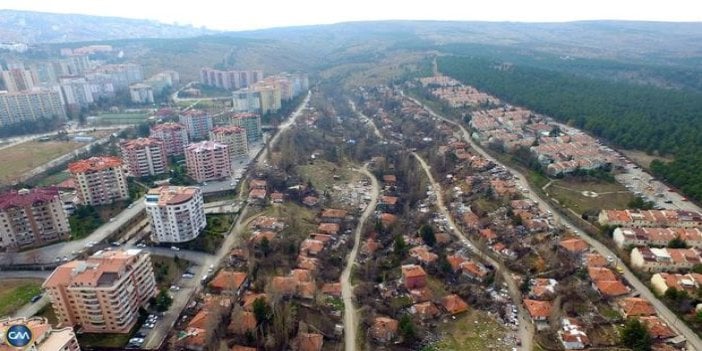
x=39, y=27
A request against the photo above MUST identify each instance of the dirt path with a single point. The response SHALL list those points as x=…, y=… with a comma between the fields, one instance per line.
x=350, y=315
x=526, y=330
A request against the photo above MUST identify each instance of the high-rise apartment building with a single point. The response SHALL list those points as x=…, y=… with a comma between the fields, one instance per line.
x=246, y=101
x=100, y=180
x=144, y=157
x=76, y=91
x=197, y=123
x=173, y=135
x=17, y=79
x=234, y=137
x=176, y=213
x=30, y=218
x=208, y=160
x=30, y=105
x=44, y=336
x=230, y=80
x=102, y=294
x=141, y=93
x=251, y=122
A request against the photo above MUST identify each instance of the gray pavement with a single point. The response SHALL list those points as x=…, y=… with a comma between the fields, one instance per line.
x=70, y=249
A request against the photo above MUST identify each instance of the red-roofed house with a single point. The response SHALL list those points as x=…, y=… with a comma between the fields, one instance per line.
x=309, y=342
x=539, y=311
x=425, y=310
x=574, y=246
x=243, y=323
x=228, y=282
x=329, y=228
x=413, y=276
x=454, y=304
x=610, y=288
x=635, y=307
x=384, y=329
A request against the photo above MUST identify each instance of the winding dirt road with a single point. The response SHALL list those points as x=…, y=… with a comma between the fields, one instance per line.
x=526, y=330
x=350, y=315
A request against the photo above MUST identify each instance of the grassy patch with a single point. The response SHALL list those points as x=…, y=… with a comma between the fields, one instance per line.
x=48, y=313
x=212, y=236
x=14, y=293
x=168, y=270
x=54, y=179
x=643, y=159
x=22, y=158
x=608, y=312
x=570, y=194
x=119, y=118
x=473, y=330
x=437, y=287
x=299, y=220
x=321, y=173
x=103, y=340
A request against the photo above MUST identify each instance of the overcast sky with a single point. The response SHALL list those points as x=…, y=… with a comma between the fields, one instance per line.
x=248, y=14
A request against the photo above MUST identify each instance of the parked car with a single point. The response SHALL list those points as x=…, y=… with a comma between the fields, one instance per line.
x=36, y=298
x=175, y=248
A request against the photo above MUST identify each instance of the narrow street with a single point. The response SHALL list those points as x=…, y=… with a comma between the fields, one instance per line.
x=526, y=330
x=350, y=316
x=367, y=120
x=694, y=342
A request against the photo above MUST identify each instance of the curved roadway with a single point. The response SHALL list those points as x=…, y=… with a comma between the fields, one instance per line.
x=350, y=316
x=526, y=330
x=663, y=311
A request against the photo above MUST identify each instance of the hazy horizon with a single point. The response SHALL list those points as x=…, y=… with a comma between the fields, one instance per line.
x=211, y=14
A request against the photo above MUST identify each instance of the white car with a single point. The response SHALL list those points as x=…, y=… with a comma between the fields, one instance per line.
x=175, y=248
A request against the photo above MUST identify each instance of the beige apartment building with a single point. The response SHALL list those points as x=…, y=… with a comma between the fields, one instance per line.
x=100, y=180
x=176, y=213
x=103, y=293
x=44, y=336
x=234, y=137
x=144, y=157
x=208, y=160
x=30, y=218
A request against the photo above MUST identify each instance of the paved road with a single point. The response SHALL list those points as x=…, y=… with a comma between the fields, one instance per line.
x=526, y=330
x=32, y=308
x=285, y=126
x=350, y=315
x=70, y=249
x=190, y=287
x=694, y=342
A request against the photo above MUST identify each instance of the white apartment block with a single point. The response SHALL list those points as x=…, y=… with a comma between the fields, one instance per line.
x=176, y=213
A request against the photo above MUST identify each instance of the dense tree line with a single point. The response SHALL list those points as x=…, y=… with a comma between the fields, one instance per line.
x=630, y=116
x=40, y=125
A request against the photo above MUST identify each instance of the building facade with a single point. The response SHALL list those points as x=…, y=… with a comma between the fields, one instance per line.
x=234, y=137
x=177, y=214
x=44, y=336
x=102, y=294
x=229, y=80
x=141, y=93
x=208, y=160
x=30, y=218
x=30, y=105
x=17, y=79
x=76, y=91
x=251, y=122
x=173, y=135
x=144, y=157
x=197, y=123
x=100, y=180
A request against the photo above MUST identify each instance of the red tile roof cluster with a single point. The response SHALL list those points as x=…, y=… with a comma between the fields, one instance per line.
x=454, y=304
x=95, y=164
x=27, y=197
